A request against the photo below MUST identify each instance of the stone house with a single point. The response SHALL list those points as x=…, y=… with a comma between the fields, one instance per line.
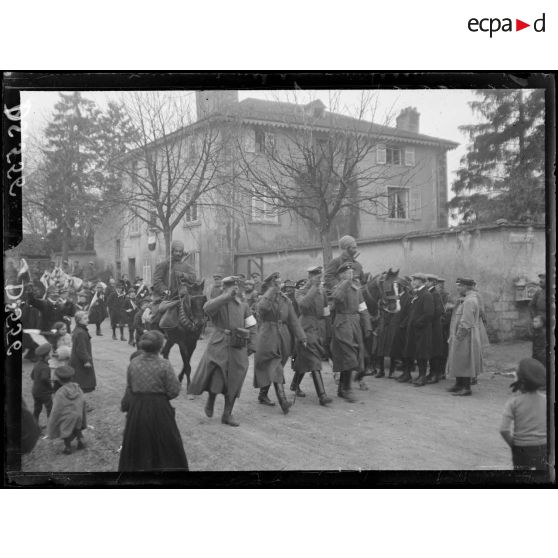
x=415, y=195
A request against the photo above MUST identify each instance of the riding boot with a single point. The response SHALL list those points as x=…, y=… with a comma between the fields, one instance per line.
x=380, y=363
x=320, y=389
x=227, y=417
x=130, y=336
x=122, y=338
x=282, y=398
x=457, y=386
x=406, y=376
x=209, y=406
x=264, y=399
x=391, y=367
x=295, y=384
x=346, y=391
x=114, y=338
x=465, y=387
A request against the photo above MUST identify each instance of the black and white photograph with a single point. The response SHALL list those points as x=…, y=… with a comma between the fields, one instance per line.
x=328, y=275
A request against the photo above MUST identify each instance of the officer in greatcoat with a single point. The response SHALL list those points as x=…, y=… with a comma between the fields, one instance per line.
x=418, y=345
x=223, y=366
x=314, y=308
x=465, y=359
x=347, y=344
x=279, y=326
x=437, y=355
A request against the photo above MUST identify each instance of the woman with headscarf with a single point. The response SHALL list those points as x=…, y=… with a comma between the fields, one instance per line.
x=151, y=441
x=274, y=341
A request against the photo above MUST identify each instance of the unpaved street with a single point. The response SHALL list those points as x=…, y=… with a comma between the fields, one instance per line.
x=393, y=426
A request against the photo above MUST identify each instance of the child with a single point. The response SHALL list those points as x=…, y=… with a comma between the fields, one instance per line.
x=68, y=417
x=538, y=336
x=527, y=412
x=42, y=388
x=138, y=324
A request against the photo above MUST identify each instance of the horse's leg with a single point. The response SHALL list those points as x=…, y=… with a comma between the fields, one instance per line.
x=168, y=346
x=185, y=354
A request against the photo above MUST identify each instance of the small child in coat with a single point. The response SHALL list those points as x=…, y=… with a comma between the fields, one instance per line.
x=42, y=387
x=527, y=412
x=68, y=417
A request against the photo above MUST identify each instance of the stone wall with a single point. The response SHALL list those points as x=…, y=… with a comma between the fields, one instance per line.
x=496, y=256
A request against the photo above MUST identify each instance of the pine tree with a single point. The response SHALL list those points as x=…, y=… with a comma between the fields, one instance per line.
x=502, y=173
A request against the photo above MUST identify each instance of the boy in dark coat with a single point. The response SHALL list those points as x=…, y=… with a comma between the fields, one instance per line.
x=42, y=388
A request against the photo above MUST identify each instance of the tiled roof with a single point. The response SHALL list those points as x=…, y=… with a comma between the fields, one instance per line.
x=275, y=113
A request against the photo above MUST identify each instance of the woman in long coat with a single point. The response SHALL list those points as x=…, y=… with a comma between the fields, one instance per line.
x=313, y=307
x=81, y=359
x=466, y=339
x=351, y=319
x=223, y=366
x=274, y=342
x=151, y=441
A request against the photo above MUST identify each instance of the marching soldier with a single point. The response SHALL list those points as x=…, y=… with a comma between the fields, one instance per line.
x=418, y=345
x=437, y=356
x=273, y=345
x=314, y=308
x=224, y=364
x=347, y=345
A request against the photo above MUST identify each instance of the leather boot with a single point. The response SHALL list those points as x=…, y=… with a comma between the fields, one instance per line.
x=114, y=338
x=227, y=417
x=465, y=387
x=380, y=363
x=457, y=386
x=391, y=368
x=264, y=399
x=295, y=384
x=282, y=398
x=359, y=377
x=320, y=389
x=421, y=380
x=210, y=405
x=346, y=391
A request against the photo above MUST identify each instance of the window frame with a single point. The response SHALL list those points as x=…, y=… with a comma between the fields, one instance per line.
x=262, y=217
x=394, y=190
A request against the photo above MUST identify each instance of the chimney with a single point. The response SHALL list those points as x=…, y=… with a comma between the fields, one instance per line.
x=408, y=120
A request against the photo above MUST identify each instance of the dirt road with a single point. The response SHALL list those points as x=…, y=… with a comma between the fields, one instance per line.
x=392, y=427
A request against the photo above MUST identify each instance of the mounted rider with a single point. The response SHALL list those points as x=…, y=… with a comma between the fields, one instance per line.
x=172, y=273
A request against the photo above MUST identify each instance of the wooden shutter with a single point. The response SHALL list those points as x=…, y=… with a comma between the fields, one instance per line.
x=381, y=154
x=416, y=204
x=410, y=156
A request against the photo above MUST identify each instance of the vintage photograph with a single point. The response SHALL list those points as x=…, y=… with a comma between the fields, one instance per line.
x=290, y=279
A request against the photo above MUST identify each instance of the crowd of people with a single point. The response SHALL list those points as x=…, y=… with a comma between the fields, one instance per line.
x=331, y=314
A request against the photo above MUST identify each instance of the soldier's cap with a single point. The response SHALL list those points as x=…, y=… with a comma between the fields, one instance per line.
x=272, y=277
x=300, y=283
x=467, y=281
x=255, y=274
x=315, y=270
x=241, y=276
x=344, y=266
x=532, y=371
x=64, y=372
x=420, y=276
x=217, y=276
x=249, y=282
x=231, y=280
x=288, y=283
x=43, y=349
x=432, y=277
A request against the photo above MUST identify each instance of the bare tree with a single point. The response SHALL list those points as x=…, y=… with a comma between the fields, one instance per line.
x=174, y=165
x=323, y=165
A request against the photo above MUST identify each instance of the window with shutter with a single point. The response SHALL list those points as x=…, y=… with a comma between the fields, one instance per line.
x=250, y=140
x=397, y=203
x=263, y=211
x=393, y=156
x=409, y=156
x=381, y=154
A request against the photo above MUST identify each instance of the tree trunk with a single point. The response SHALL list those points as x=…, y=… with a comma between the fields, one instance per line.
x=327, y=251
x=167, y=233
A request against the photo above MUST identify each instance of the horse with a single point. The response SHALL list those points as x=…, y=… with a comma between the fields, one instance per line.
x=187, y=331
x=382, y=296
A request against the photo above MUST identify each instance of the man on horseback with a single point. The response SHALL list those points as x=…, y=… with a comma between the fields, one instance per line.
x=168, y=274
x=349, y=253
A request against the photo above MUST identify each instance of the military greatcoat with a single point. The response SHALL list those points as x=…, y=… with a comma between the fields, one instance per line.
x=351, y=318
x=437, y=334
x=222, y=368
x=419, y=326
x=274, y=342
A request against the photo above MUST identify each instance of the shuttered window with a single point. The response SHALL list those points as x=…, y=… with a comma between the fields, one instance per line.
x=410, y=156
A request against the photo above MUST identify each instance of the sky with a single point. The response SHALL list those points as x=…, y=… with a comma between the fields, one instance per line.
x=441, y=111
